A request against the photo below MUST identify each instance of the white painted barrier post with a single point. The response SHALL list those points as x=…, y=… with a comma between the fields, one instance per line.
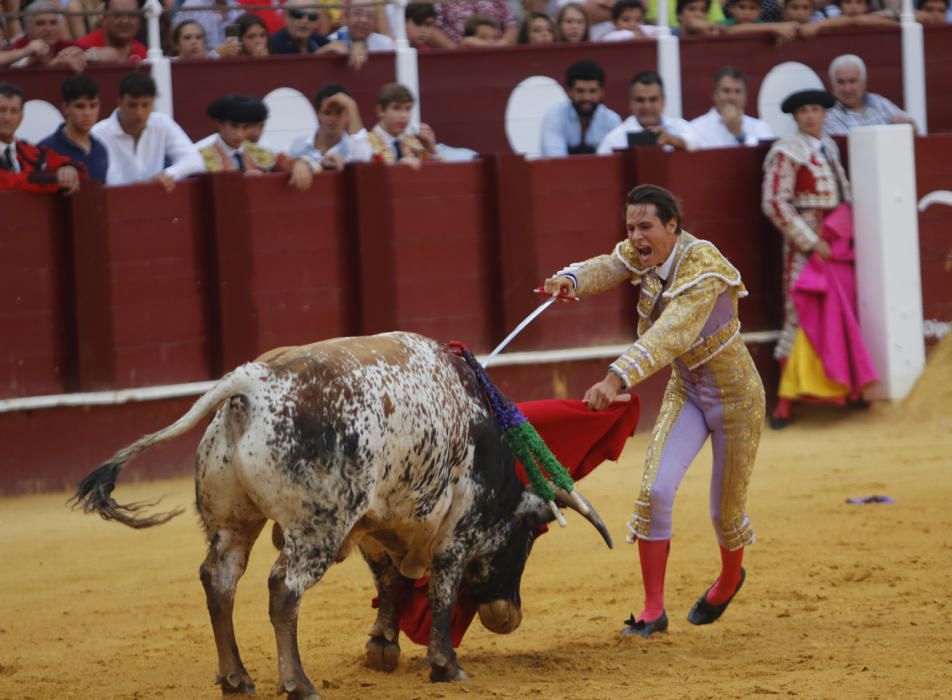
x=886, y=225
x=669, y=63
x=159, y=64
x=406, y=59
x=913, y=67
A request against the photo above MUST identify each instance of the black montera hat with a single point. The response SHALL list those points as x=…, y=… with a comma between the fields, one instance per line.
x=807, y=97
x=241, y=109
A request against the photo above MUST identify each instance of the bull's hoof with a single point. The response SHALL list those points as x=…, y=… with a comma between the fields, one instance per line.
x=382, y=655
x=298, y=690
x=236, y=684
x=447, y=674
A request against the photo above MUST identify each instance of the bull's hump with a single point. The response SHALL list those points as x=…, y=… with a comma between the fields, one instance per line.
x=394, y=349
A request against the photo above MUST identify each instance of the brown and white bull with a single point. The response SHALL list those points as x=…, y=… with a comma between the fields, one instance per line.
x=382, y=442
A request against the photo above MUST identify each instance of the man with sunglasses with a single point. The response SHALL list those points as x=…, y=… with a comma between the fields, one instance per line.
x=300, y=33
x=116, y=40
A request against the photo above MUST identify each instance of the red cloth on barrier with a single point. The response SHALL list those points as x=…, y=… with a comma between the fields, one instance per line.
x=581, y=439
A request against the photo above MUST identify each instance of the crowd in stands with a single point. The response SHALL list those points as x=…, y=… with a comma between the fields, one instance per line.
x=78, y=32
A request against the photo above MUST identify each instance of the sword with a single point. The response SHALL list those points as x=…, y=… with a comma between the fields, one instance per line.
x=527, y=320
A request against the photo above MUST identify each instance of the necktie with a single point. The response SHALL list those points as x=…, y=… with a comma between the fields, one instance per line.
x=239, y=161
x=8, y=163
x=398, y=149
x=836, y=176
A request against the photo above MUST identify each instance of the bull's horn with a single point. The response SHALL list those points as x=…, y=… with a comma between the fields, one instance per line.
x=580, y=504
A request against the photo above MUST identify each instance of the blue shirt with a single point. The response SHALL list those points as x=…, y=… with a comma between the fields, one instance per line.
x=96, y=161
x=562, y=130
x=282, y=43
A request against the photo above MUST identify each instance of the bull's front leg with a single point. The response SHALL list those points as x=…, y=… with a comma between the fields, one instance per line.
x=444, y=586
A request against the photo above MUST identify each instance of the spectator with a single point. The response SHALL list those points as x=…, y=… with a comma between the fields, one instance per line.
x=715, y=13
x=693, y=18
x=43, y=43
x=73, y=138
x=853, y=13
x=188, y=41
x=421, y=24
x=340, y=137
x=538, y=28
x=480, y=30
x=212, y=22
x=824, y=9
x=359, y=29
x=933, y=11
x=252, y=35
x=24, y=166
x=725, y=124
x=230, y=150
x=299, y=34
x=115, y=41
x=646, y=102
x=140, y=141
x=11, y=26
x=745, y=16
x=391, y=141
x=579, y=125
x=854, y=105
x=628, y=18
x=571, y=24
x=451, y=17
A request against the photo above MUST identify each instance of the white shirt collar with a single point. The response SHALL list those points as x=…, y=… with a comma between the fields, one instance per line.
x=815, y=143
x=386, y=135
x=664, y=269
x=229, y=151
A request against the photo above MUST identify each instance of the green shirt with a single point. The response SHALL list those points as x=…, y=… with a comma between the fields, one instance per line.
x=715, y=14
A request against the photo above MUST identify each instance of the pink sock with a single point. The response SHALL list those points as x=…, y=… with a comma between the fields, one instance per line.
x=653, y=556
x=726, y=583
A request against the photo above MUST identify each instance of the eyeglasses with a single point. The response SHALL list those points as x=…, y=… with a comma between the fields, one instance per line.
x=301, y=14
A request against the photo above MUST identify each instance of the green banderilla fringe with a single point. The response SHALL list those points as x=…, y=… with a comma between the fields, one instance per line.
x=531, y=450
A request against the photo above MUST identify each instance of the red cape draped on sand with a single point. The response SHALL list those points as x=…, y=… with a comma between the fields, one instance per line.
x=581, y=439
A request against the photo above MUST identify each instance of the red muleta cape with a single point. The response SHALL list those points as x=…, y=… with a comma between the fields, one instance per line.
x=581, y=439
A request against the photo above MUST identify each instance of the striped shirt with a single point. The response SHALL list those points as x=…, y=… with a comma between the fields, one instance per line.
x=876, y=110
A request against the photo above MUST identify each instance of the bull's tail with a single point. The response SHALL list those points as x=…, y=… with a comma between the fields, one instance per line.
x=94, y=493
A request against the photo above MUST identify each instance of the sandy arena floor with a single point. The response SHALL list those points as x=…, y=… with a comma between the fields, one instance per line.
x=840, y=600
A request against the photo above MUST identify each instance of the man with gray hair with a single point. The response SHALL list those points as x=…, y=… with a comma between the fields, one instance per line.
x=854, y=106
x=42, y=44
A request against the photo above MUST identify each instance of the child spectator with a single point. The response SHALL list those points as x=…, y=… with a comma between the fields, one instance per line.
x=340, y=137
x=421, y=20
x=212, y=22
x=188, y=41
x=744, y=16
x=480, y=30
x=933, y=11
x=693, y=18
x=252, y=35
x=537, y=29
x=391, y=141
x=452, y=17
x=628, y=18
x=571, y=24
x=714, y=12
x=72, y=138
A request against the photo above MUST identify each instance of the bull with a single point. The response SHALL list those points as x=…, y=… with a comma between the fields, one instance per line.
x=384, y=443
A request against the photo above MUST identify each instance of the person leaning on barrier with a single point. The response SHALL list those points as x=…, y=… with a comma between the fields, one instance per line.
x=854, y=105
x=24, y=166
x=141, y=141
x=579, y=125
x=43, y=43
x=300, y=35
x=725, y=124
x=252, y=36
x=72, y=138
x=646, y=102
x=360, y=28
x=116, y=40
x=232, y=151
x=340, y=137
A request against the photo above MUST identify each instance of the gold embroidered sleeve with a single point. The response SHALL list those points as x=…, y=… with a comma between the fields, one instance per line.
x=675, y=331
x=601, y=273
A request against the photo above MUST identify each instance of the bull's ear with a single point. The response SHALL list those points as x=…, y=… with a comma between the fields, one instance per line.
x=533, y=510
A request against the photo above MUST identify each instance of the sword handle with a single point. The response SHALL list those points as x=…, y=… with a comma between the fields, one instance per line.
x=566, y=297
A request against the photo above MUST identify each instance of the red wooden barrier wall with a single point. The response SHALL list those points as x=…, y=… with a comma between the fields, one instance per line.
x=935, y=234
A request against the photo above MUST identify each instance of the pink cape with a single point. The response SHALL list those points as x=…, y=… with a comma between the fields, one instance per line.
x=581, y=439
x=825, y=296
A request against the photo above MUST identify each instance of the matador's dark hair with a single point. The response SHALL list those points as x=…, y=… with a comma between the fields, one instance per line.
x=665, y=203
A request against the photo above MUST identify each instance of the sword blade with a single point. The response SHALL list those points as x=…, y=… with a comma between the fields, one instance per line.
x=525, y=322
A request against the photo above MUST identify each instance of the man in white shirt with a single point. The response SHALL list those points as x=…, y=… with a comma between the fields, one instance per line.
x=340, y=137
x=359, y=25
x=140, y=142
x=646, y=102
x=725, y=124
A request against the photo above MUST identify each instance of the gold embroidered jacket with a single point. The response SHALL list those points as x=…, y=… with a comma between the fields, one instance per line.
x=673, y=317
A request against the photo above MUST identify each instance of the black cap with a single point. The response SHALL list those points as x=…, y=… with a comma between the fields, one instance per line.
x=807, y=97
x=241, y=109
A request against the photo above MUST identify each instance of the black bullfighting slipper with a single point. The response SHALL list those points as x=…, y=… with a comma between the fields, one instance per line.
x=704, y=613
x=645, y=628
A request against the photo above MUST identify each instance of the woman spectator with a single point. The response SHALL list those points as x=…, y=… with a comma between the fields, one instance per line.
x=252, y=35
x=538, y=28
x=188, y=41
x=571, y=24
